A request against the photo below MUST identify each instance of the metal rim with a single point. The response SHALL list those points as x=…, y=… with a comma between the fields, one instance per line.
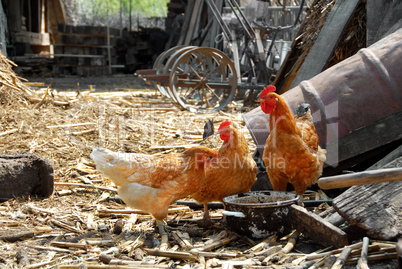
x=229, y=199
x=159, y=65
x=203, y=79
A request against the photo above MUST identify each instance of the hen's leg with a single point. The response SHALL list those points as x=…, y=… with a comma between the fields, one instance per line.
x=206, y=220
x=163, y=233
x=206, y=213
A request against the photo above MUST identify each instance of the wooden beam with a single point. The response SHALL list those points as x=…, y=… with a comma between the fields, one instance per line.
x=369, y=137
x=327, y=41
x=316, y=228
x=393, y=155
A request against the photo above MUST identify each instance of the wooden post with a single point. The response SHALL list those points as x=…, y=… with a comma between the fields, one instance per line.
x=109, y=56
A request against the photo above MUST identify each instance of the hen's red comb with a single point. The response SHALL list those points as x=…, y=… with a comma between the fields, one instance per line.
x=267, y=89
x=224, y=124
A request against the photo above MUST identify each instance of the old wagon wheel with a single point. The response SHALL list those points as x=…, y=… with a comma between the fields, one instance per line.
x=203, y=79
x=167, y=67
x=159, y=66
x=161, y=60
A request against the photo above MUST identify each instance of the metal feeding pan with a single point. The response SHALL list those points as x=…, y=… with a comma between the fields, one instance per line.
x=258, y=214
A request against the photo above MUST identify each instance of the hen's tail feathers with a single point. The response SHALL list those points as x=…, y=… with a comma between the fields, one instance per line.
x=208, y=129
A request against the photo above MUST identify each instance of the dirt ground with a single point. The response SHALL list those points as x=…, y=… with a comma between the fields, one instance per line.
x=79, y=223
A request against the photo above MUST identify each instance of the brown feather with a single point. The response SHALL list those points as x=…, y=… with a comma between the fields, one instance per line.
x=291, y=152
x=235, y=171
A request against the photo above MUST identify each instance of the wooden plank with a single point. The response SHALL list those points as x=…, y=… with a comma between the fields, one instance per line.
x=376, y=208
x=316, y=228
x=369, y=137
x=327, y=41
x=393, y=155
x=381, y=16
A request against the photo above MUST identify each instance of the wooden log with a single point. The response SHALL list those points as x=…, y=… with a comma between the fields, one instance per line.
x=182, y=239
x=109, y=266
x=262, y=244
x=65, y=226
x=329, y=262
x=316, y=228
x=314, y=256
x=215, y=244
x=47, y=248
x=69, y=245
x=361, y=178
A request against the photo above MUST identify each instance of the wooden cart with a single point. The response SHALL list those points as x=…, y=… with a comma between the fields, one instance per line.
x=204, y=79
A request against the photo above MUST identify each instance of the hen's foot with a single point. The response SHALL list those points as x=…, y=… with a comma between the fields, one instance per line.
x=164, y=235
x=205, y=223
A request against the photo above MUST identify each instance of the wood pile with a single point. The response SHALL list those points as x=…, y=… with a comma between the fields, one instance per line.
x=85, y=50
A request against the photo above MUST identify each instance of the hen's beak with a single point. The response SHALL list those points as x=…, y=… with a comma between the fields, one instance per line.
x=260, y=100
x=220, y=131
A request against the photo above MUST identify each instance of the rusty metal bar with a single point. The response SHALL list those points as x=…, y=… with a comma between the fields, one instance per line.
x=213, y=85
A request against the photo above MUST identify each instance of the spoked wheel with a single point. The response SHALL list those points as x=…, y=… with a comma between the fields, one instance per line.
x=167, y=68
x=203, y=80
x=159, y=66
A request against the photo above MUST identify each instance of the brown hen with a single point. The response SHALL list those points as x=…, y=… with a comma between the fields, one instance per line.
x=291, y=152
x=234, y=172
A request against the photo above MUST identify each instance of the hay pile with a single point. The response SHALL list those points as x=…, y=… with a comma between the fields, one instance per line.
x=63, y=127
